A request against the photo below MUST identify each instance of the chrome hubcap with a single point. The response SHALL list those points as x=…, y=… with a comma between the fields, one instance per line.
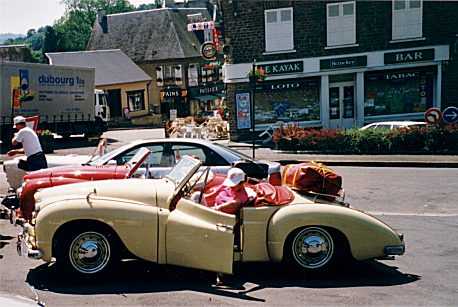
x=89, y=252
x=313, y=248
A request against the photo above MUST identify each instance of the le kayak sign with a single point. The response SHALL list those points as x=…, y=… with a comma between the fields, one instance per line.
x=448, y=116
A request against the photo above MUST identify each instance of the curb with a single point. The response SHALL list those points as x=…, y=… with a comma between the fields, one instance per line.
x=419, y=164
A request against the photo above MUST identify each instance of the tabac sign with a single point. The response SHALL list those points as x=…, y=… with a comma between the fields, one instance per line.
x=283, y=68
x=409, y=56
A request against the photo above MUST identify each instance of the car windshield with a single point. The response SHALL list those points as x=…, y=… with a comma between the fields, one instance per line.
x=234, y=154
x=183, y=170
x=99, y=160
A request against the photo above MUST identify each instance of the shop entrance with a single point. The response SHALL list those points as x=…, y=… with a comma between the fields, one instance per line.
x=342, y=105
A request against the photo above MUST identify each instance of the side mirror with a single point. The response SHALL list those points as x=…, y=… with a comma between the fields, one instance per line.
x=112, y=162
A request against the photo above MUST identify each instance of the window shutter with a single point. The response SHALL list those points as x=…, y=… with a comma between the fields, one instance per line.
x=407, y=19
x=193, y=75
x=279, y=30
x=178, y=75
x=341, y=24
x=159, y=76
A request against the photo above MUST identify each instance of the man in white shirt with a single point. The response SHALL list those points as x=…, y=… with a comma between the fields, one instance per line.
x=31, y=146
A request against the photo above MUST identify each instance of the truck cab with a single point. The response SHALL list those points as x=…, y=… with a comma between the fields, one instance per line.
x=101, y=105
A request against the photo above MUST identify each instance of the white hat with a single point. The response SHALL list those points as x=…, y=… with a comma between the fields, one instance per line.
x=18, y=120
x=234, y=177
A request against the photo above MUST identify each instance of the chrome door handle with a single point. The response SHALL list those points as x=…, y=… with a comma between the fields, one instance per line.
x=223, y=227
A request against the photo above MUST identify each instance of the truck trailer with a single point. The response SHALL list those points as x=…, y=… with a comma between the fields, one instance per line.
x=63, y=97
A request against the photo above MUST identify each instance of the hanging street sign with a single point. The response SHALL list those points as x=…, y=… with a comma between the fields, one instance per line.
x=199, y=26
x=450, y=115
x=433, y=116
x=208, y=50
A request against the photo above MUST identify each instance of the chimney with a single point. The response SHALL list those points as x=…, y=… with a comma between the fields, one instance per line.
x=102, y=20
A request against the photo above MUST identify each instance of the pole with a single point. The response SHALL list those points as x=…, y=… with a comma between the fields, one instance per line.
x=253, y=88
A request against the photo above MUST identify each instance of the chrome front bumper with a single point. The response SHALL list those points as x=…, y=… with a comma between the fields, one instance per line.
x=25, y=243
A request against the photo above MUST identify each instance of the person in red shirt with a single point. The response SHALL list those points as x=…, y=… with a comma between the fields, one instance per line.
x=232, y=196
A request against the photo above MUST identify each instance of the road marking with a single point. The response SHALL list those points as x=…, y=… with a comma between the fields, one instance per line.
x=413, y=214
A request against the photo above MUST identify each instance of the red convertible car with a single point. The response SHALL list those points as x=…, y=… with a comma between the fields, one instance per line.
x=55, y=176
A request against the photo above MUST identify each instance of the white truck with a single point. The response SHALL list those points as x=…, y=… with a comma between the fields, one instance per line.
x=64, y=98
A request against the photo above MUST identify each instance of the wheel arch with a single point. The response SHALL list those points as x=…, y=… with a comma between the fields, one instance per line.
x=365, y=236
x=88, y=224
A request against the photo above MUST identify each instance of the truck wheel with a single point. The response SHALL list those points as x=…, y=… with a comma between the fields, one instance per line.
x=311, y=249
x=87, y=253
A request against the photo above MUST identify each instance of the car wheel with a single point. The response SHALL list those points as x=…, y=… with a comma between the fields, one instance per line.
x=311, y=249
x=87, y=253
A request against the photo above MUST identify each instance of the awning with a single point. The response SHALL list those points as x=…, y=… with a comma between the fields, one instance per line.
x=205, y=97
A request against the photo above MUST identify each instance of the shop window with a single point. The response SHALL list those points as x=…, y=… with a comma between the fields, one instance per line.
x=341, y=23
x=279, y=102
x=210, y=73
x=159, y=76
x=279, y=29
x=407, y=19
x=193, y=76
x=398, y=92
x=136, y=100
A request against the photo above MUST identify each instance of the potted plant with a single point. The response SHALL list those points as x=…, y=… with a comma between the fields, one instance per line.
x=259, y=74
x=46, y=140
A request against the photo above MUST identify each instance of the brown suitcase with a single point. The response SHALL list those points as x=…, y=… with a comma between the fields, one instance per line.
x=312, y=177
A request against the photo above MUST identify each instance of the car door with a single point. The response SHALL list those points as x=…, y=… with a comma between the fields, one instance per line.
x=204, y=154
x=199, y=237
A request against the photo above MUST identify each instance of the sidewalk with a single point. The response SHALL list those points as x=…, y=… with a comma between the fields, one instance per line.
x=433, y=161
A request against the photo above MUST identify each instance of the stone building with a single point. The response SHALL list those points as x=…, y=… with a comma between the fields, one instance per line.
x=339, y=64
x=158, y=41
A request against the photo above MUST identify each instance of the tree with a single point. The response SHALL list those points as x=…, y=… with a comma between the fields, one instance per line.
x=74, y=28
x=50, y=43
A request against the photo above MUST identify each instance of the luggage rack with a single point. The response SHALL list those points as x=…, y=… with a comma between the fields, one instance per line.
x=338, y=199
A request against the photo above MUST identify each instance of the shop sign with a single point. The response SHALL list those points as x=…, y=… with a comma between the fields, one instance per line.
x=208, y=50
x=243, y=108
x=347, y=62
x=173, y=93
x=283, y=68
x=409, y=56
x=285, y=85
x=216, y=88
x=400, y=75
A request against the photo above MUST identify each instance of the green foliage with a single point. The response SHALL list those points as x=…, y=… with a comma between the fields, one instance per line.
x=430, y=139
x=50, y=42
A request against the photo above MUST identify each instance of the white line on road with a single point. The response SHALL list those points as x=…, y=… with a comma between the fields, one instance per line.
x=413, y=214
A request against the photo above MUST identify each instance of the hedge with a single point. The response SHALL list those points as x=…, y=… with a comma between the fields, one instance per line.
x=428, y=139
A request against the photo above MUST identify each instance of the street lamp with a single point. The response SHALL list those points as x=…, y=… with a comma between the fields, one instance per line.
x=253, y=91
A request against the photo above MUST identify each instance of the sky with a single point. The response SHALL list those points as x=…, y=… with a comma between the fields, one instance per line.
x=18, y=16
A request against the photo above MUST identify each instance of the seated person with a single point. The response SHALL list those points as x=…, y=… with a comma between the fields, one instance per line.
x=232, y=195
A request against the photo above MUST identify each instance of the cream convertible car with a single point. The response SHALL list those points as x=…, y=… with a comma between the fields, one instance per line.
x=88, y=226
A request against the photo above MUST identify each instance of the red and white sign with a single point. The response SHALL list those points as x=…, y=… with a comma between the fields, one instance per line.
x=199, y=26
x=433, y=116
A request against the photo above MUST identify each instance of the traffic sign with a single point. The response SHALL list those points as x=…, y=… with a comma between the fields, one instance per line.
x=433, y=116
x=450, y=115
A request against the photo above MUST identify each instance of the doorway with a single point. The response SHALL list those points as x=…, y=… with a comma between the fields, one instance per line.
x=114, y=103
x=342, y=105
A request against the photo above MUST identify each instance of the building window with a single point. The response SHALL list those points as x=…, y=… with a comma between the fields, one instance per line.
x=279, y=29
x=399, y=91
x=341, y=23
x=159, y=76
x=136, y=100
x=178, y=75
x=407, y=19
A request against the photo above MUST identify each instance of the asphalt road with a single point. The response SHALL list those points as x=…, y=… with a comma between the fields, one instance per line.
x=421, y=203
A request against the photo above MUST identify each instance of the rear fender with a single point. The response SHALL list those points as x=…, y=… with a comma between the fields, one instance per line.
x=366, y=235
